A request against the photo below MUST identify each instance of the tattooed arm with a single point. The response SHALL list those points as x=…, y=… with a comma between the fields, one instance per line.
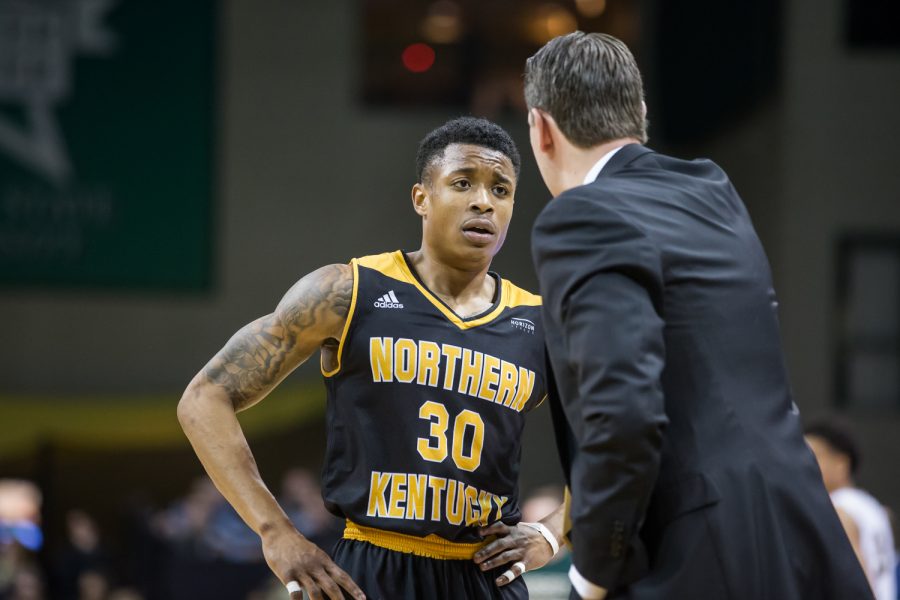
x=310, y=316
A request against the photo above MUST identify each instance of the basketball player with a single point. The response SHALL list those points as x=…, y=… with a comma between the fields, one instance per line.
x=864, y=518
x=431, y=362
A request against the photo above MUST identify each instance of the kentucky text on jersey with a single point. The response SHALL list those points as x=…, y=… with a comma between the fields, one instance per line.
x=469, y=372
x=406, y=495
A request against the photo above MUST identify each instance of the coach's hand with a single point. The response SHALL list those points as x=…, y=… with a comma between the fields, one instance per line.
x=519, y=544
x=294, y=558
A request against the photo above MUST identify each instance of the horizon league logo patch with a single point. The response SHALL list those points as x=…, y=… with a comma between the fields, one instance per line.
x=389, y=300
x=523, y=324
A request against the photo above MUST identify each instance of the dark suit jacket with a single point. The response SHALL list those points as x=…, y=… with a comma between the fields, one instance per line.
x=683, y=449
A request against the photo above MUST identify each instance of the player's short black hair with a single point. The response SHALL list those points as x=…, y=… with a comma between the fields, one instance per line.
x=465, y=130
x=839, y=438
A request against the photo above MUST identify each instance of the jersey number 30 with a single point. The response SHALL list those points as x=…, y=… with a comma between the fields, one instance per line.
x=434, y=447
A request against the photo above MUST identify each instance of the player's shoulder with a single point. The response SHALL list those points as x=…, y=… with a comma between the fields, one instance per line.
x=377, y=262
x=328, y=277
x=322, y=278
x=855, y=500
x=389, y=264
x=517, y=296
x=331, y=286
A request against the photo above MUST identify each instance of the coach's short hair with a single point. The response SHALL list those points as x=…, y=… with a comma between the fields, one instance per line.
x=465, y=130
x=591, y=86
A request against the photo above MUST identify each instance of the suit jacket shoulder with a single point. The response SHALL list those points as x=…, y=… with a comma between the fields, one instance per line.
x=581, y=233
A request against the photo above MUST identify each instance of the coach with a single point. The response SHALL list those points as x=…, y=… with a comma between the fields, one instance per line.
x=683, y=450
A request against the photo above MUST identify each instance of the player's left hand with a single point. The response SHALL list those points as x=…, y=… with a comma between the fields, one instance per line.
x=513, y=545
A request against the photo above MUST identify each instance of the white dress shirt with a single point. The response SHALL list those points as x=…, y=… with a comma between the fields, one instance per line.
x=598, y=166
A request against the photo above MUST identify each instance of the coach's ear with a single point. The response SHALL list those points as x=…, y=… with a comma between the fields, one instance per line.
x=542, y=125
x=420, y=199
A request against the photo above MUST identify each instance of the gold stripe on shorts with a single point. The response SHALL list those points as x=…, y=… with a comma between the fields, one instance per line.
x=430, y=546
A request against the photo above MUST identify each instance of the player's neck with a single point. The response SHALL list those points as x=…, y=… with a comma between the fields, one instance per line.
x=464, y=290
x=846, y=484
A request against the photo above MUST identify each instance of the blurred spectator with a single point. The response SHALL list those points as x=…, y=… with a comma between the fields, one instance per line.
x=205, y=526
x=14, y=559
x=550, y=582
x=184, y=523
x=20, y=538
x=541, y=502
x=82, y=554
x=20, y=514
x=229, y=538
x=92, y=585
x=301, y=498
x=864, y=518
x=208, y=550
x=125, y=594
x=27, y=584
x=895, y=529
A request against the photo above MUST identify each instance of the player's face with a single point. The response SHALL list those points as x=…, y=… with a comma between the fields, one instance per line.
x=467, y=205
x=834, y=466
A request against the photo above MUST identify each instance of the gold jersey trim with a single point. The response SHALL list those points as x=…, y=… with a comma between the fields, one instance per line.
x=386, y=264
x=430, y=546
x=519, y=297
x=350, y=313
x=393, y=265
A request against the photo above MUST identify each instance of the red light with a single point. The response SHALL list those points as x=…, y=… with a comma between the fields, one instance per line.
x=418, y=58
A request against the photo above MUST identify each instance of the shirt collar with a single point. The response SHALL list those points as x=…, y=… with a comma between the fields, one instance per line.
x=598, y=166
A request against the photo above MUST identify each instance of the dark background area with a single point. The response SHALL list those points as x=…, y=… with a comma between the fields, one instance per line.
x=313, y=123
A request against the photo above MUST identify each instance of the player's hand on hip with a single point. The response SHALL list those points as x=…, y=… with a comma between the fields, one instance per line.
x=522, y=548
x=296, y=560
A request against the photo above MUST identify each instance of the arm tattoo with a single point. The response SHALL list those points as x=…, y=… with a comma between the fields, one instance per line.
x=255, y=358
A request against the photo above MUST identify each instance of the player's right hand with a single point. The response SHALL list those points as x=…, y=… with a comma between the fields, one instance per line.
x=294, y=558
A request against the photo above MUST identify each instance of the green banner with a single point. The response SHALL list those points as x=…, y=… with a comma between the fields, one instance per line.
x=106, y=161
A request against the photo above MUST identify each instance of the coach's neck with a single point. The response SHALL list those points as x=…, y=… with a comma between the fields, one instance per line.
x=583, y=160
x=564, y=165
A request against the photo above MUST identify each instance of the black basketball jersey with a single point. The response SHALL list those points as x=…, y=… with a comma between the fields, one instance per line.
x=426, y=409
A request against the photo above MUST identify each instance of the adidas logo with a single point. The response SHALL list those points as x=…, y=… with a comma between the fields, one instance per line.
x=389, y=300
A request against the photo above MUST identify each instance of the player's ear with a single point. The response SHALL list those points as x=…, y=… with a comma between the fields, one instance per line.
x=420, y=199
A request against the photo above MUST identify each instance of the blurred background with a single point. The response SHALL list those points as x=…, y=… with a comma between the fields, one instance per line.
x=169, y=169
